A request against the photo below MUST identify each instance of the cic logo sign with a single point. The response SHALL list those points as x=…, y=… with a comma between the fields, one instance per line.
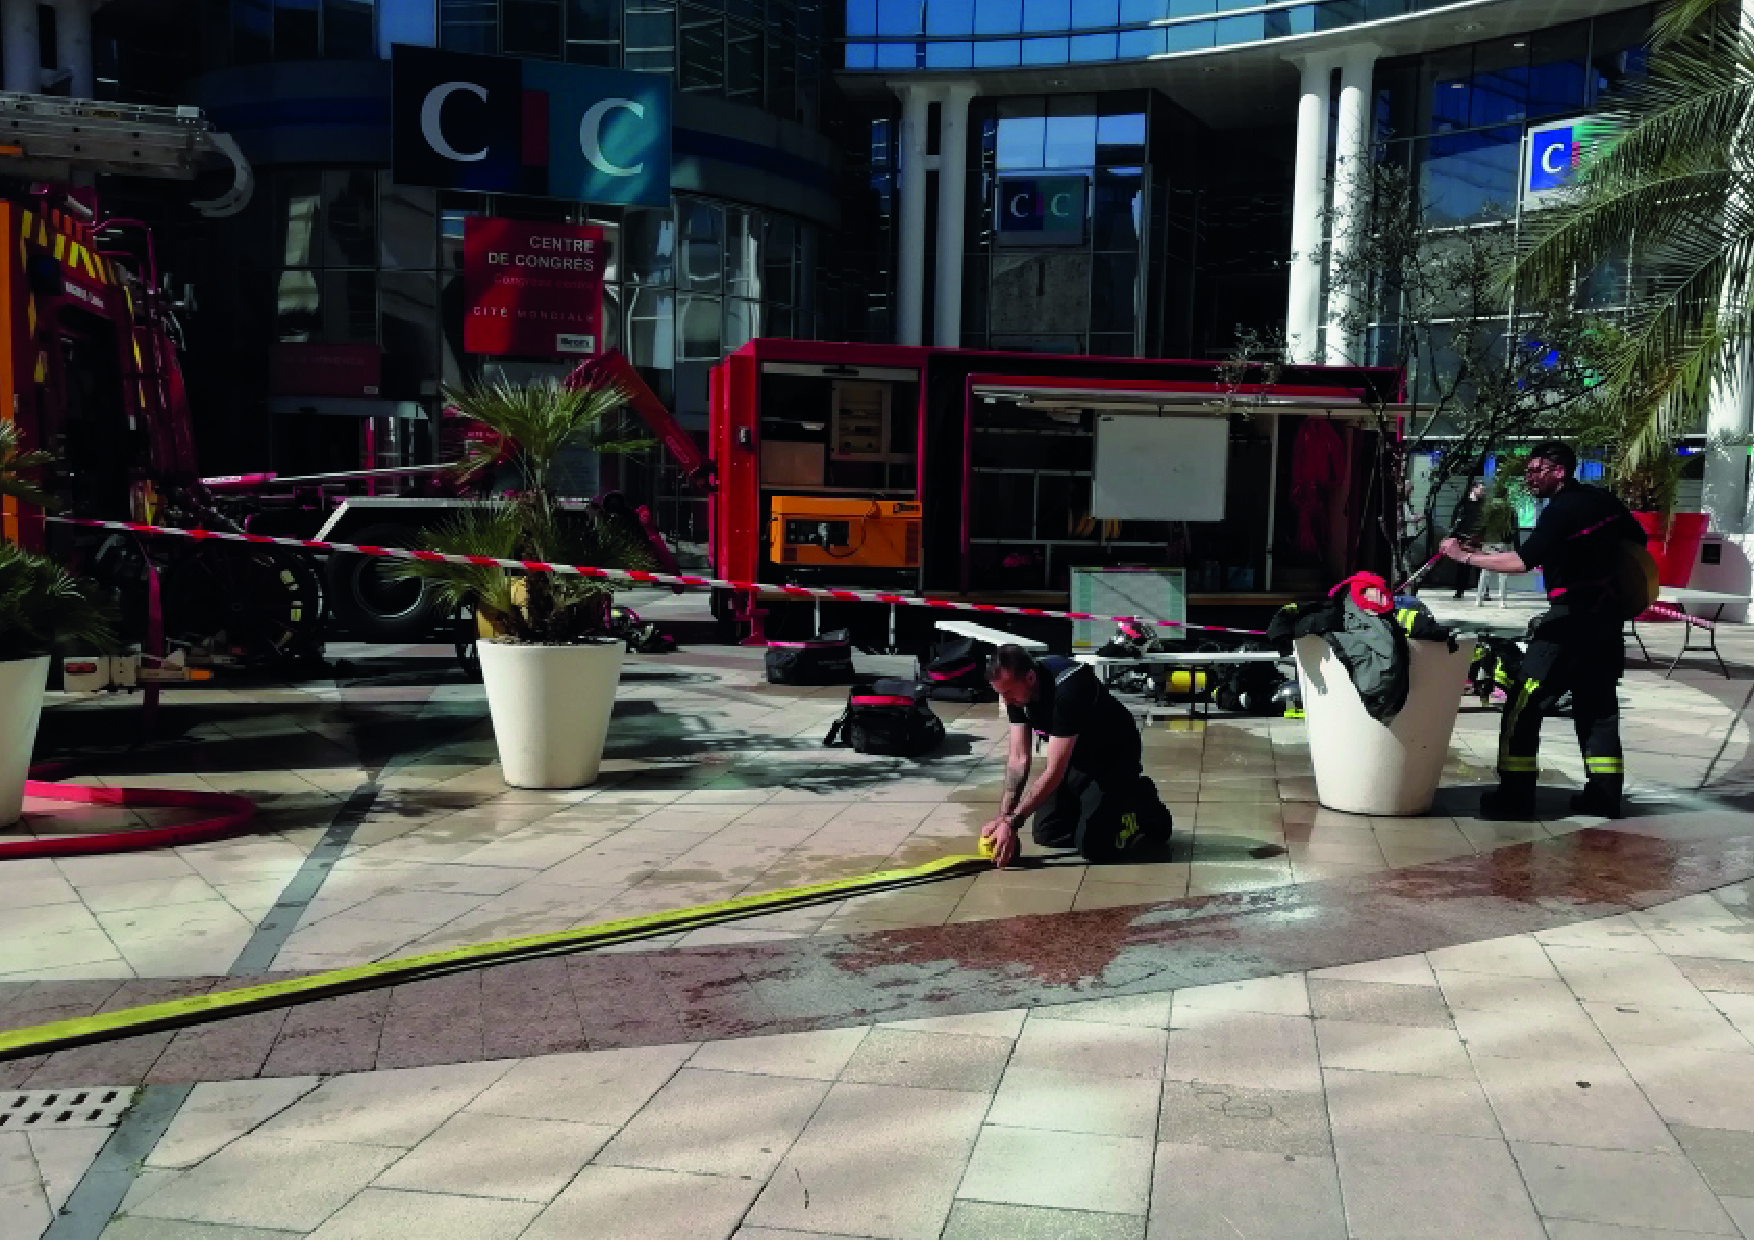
x=535, y=127
x=1552, y=156
x=1041, y=210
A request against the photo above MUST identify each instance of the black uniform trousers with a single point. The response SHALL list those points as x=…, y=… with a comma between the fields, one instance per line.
x=1115, y=816
x=1585, y=656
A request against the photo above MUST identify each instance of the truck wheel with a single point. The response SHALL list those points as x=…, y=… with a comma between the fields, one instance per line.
x=374, y=606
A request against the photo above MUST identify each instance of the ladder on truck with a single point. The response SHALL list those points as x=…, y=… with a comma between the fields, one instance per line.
x=52, y=138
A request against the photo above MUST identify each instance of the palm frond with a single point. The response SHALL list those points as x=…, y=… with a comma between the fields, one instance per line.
x=44, y=607
x=13, y=462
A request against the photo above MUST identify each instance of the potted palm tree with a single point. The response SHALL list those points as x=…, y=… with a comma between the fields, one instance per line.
x=41, y=606
x=548, y=662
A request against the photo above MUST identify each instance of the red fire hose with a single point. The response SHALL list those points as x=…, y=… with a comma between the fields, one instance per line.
x=232, y=814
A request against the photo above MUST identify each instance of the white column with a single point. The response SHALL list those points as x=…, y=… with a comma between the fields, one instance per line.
x=952, y=207
x=1352, y=166
x=910, y=257
x=23, y=55
x=73, y=46
x=1303, y=308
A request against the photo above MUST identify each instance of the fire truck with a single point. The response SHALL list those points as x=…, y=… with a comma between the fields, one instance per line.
x=991, y=477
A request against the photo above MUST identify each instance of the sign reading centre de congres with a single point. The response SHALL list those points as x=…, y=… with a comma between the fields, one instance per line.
x=536, y=127
x=533, y=289
x=1552, y=155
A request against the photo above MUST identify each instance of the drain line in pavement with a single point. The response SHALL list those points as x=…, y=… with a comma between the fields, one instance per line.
x=94, y=1201
x=201, y=1009
x=274, y=929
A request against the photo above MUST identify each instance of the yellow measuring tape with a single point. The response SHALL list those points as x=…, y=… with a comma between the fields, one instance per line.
x=200, y=1009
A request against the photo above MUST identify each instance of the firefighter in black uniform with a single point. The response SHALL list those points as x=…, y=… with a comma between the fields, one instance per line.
x=1576, y=645
x=1093, y=794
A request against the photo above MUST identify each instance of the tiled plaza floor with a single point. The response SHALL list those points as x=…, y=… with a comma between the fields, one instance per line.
x=1583, y=1079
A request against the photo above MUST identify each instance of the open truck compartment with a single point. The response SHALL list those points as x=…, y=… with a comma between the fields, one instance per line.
x=1008, y=472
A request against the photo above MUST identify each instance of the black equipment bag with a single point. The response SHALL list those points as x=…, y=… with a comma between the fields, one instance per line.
x=957, y=671
x=826, y=659
x=892, y=718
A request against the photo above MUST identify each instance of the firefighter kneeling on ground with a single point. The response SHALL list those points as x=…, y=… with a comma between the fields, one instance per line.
x=1576, y=645
x=1093, y=794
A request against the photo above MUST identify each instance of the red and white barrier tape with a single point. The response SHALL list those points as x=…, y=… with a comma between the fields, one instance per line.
x=637, y=577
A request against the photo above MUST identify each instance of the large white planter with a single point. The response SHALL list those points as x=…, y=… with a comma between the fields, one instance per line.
x=550, y=708
x=21, y=705
x=1363, y=767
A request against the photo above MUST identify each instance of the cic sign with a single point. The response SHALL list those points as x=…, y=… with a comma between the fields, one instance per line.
x=533, y=127
x=532, y=289
x=1552, y=155
x=1041, y=210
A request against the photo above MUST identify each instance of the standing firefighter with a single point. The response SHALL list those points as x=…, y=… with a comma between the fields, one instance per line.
x=1583, y=542
x=1093, y=794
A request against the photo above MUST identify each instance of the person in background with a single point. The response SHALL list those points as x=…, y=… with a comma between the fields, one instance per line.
x=1466, y=524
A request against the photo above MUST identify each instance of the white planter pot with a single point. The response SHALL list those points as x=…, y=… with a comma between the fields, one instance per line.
x=1362, y=766
x=550, y=708
x=21, y=705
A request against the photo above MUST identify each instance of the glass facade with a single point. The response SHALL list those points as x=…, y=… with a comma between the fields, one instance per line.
x=886, y=36
x=763, y=53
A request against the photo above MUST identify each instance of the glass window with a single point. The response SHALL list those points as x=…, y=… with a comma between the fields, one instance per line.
x=593, y=32
x=1114, y=293
x=743, y=265
x=1089, y=14
x=1022, y=133
x=1190, y=37
x=1040, y=292
x=1143, y=11
x=1246, y=29
x=998, y=16
x=350, y=218
x=1501, y=82
x=1138, y=44
x=1557, y=75
x=701, y=329
x=295, y=30
x=530, y=27
x=651, y=328
x=1121, y=139
x=1618, y=51
x=469, y=26
x=898, y=19
x=742, y=324
x=1115, y=221
x=950, y=55
x=1445, y=76
x=743, y=64
x=1087, y=48
x=1192, y=8
x=1046, y=51
x=1467, y=177
x=252, y=31
x=950, y=17
x=407, y=225
x=782, y=62
x=861, y=56
x=998, y=54
x=703, y=52
x=350, y=307
x=1069, y=140
x=1045, y=14
x=780, y=262
x=409, y=315
x=651, y=36
x=861, y=17
x=347, y=30
x=651, y=247
x=298, y=212
x=296, y=306
x=703, y=236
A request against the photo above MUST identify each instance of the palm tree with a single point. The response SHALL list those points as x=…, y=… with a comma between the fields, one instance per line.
x=527, y=427
x=41, y=604
x=14, y=460
x=1670, y=179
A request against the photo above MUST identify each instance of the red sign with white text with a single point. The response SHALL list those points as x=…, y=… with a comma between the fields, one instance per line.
x=533, y=289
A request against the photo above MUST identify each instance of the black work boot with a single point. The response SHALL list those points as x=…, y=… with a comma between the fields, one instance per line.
x=1598, y=799
x=1508, y=803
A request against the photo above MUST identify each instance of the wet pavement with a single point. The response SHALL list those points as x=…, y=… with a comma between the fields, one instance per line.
x=717, y=786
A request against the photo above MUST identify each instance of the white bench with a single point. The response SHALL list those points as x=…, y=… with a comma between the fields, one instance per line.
x=993, y=637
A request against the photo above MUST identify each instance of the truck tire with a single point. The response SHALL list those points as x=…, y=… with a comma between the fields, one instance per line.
x=374, y=606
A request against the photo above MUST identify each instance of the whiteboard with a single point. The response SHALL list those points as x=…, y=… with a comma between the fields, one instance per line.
x=1155, y=593
x=1160, y=469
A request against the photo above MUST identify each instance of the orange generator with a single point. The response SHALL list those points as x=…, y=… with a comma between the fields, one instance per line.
x=812, y=531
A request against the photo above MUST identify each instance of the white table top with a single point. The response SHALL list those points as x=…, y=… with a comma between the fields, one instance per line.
x=1680, y=594
x=1186, y=656
x=996, y=637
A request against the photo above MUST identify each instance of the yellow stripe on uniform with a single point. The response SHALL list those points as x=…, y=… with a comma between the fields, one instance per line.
x=199, y=1009
x=1518, y=765
x=1605, y=766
